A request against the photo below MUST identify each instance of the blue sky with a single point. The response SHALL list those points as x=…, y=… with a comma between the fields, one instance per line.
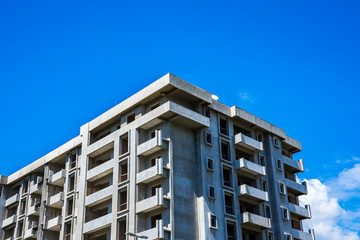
x=293, y=63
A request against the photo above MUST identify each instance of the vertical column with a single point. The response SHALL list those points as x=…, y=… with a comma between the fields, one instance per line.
x=114, y=223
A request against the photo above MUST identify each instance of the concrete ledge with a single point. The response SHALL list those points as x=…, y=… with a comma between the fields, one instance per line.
x=97, y=224
x=255, y=222
x=251, y=194
x=249, y=168
x=248, y=142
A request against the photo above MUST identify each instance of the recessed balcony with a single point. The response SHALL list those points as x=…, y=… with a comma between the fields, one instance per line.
x=30, y=233
x=292, y=165
x=153, y=173
x=152, y=203
x=53, y=224
x=253, y=195
x=34, y=210
x=154, y=233
x=11, y=200
x=153, y=145
x=100, y=171
x=98, y=224
x=8, y=221
x=300, y=212
x=249, y=168
x=56, y=201
x=255, y=222
x=99, y=196
x=35, y=189
x=242, y=140
x=58, y=178
x=295, y=187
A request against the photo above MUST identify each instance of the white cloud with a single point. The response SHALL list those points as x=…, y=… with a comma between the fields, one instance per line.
x=244, y=96
x=329, y=219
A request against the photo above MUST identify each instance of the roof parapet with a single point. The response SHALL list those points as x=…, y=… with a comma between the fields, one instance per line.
x=3, y=179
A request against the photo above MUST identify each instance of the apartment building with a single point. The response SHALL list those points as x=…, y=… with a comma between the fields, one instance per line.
x=170, y=162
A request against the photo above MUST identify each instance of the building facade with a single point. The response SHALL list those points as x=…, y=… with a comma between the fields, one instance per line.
x=170, y=162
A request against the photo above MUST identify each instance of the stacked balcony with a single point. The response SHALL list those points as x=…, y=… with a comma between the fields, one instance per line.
x=34, y=210
x=58, y=178
x=255, y=222
x=56, y=201
x=249, y=143
x=100, y=171
x=155, y=233
x=252, y=195
x=30, y=233
x=98, y=223
x=153, y=145
x=248, y=168
x=35, y=188
x=300, y=212
x=53, y=224
x=292, y=165
x=9, y=221
x=99, y=196
x=152, y=203
x=153, y=173
x=298, y=234
x=295, y=187
x=11, y=200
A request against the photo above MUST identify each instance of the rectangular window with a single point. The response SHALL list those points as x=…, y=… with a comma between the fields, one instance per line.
x=73, y=158
x=207, y=112
x=288, y=236
x=276, y=141
x=210, y=164
x=279, y=164
x=153, y=134
x=208, y=138
x=231, y=231
x=267, y=211
x=71, y=183
x=229, y=203
x=270, y=236
x=25, y=186
x=262, y=160
x=292, y=200
x=124, y=144
x=20, y=229
x=67, y=232
x=122, y=229
x=70, y=206
x=264, y=185
x=153, y=161
x=211, y=192
x=156, y=105
x=154, y=219
x=213, y=221
x=223, y=126
x=122, y=199
x=225, y=151
x=282, y=188
x=285, y=213
x=153, y=189
x=227, y=177
x=130, y=118
x=22, y=206
x=295, y=224
x=123, y=172
x=259, y=137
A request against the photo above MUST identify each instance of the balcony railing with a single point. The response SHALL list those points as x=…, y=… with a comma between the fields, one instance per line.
x=56, y=201
x=152, y=145
x=155, y=233
x=255, y=222
x=295, y=187
x=11, y=200
x=248, y=142
x=30, y=233
x=99, y=196
x=100, y=171
x=34, y=210
x=246, y=167
x=36, y=188
x=153, y=173
x=298, y=234
x=300, y=212
x=54, y=224
x=152, y=203
x=252, y=195
x=295, y=166
x=98, y=223
x=8, y=221
x=58, y=178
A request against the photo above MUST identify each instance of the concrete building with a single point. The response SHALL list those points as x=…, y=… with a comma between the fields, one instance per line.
x=170, y=162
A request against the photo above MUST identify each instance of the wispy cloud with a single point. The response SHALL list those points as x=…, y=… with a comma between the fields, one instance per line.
x=246, y=97
x=329, y=219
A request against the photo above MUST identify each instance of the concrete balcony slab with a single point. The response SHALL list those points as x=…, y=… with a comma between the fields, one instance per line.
x=100, y=171
x=298, y=234
x=56, y=201
x=58, y=178
x=152, y=203
x=152, y=145
x=8, y=221
x=300, y=212
x=250, y=169
x=34, y=210
x=30, y=233
x=294, y=166
x=99, y=196
x=154, y=233
x=53, y=224
x=247, y=142
x=11, y=200
x=295, y=187
x=252, y=195
x=35, y=189
x=97, y=224
x=255, y=222
x=153, y=173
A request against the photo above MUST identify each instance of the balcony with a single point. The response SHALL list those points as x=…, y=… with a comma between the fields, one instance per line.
x=300, y=212
x=30, y=233
x=294, y=166
x=8, y=221
x=35, y=189
x=58, y=178
x=34, y=210
x=151, y=146
x=12, y=200
x=247, y=142
x=97, y=224
x=295, y=187
x=255, y=222
x=174, y=112
x=100, y=171
x=153, y=173
x=154, y=233
x=54, y=224
x=152, y=203
x=249, y=168
x=250, y=194
x=99, y=196
x=298, y=234
x=56, y=201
